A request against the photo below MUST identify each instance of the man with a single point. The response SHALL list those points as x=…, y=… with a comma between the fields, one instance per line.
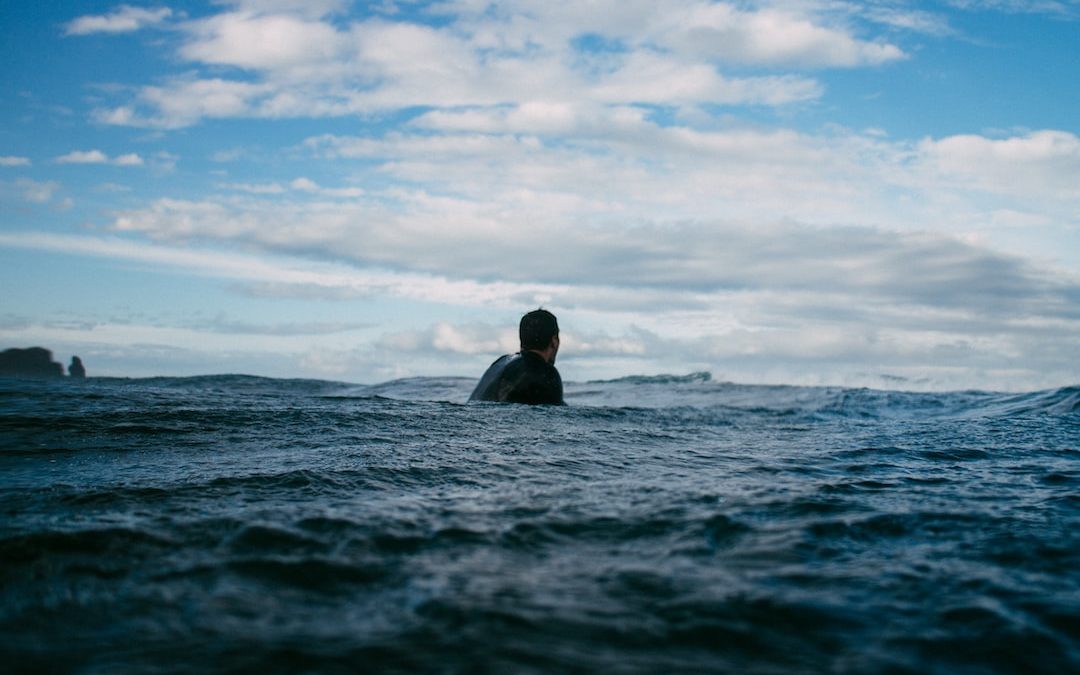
x=528, y=376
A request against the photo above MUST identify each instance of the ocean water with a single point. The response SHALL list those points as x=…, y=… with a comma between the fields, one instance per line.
x=655, y=525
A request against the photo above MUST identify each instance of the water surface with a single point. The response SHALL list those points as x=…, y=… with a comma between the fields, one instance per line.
x=672, y=524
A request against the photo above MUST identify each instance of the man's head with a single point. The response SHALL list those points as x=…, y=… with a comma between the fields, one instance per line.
x=539, y=331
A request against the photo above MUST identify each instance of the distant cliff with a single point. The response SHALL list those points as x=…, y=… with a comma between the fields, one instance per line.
x=32, y=362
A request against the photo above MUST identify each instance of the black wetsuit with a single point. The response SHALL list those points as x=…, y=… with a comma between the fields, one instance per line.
x=520, y=378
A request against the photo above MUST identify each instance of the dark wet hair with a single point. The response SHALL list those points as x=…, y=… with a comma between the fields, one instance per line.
x=537, y=328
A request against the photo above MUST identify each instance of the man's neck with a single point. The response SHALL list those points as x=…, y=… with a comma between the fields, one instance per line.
x=542, y=353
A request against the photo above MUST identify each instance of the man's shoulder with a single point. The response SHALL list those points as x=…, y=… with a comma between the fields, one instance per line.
x=487, y=388
x=503, y=360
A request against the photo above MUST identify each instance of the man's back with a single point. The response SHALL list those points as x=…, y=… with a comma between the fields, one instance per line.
x=520, y=378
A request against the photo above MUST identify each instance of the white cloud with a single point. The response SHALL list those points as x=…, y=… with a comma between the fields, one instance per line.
x=262, y=42
x=468, y=340
x=84, y=157
x=37, y=192
x=99, y=157
x=661, y=79
x=230, y=155
x=124, y=19
x=120, y=116
x=282, y=273
x=305, y=8
x=1066, y=8
x=904, y=17
x=303, y=64
x=115, y=188
x=183, y=102
x=224, y=324
x=14, y=161
x=307, y=185
x=1043, y=162
x=604, y=345
x=304, y=185
x=130, y=159
x=255, y=188
x=770, y=36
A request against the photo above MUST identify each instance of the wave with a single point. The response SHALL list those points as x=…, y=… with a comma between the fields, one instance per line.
x=228, y=381
x=1053, y=401
x=693, y=391
x=698, y=392
x=692, y=378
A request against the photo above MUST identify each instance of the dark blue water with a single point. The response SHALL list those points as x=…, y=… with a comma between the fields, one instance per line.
x=656, y=525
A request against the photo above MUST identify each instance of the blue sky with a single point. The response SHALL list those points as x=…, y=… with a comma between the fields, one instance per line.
x=808, y=192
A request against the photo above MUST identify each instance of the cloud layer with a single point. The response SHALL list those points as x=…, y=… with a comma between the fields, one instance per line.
x=547, y=193
x=292, y=60
x=852, y=306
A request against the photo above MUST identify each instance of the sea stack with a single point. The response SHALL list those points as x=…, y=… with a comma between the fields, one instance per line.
x=76, y=369
x=32, y=362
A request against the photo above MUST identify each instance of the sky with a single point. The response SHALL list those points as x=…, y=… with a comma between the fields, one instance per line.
x=808, y=192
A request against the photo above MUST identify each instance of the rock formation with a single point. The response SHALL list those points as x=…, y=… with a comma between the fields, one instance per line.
x=32, y=362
